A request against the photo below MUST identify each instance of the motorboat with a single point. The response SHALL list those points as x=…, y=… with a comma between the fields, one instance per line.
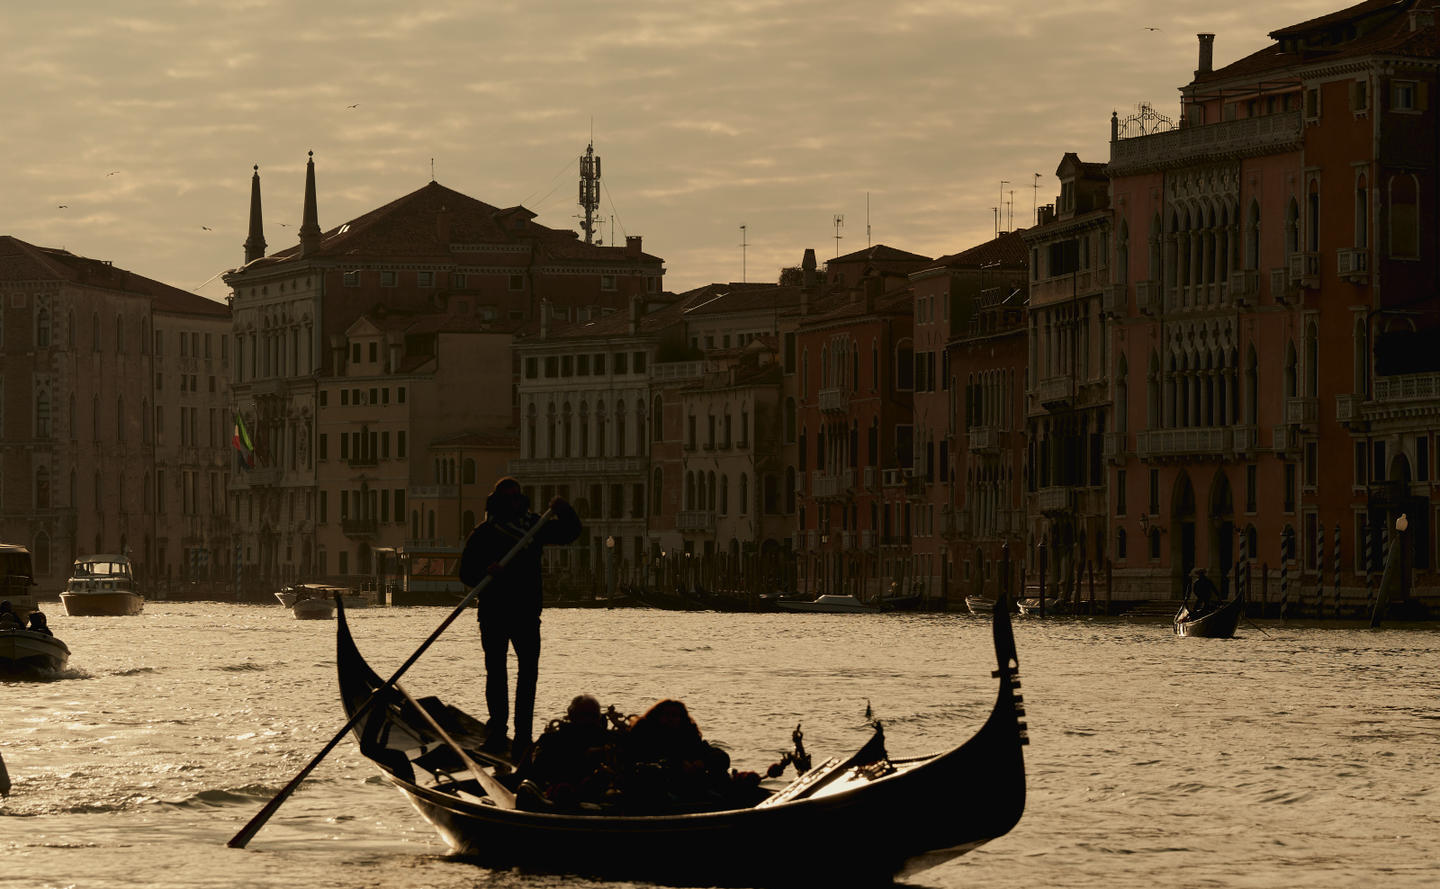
x=298, y=591
x=27, y=651
x=102, y=585
x=829, y=603
x=17, y=578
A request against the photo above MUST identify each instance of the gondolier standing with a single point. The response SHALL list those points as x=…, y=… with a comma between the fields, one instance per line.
x=509, y=609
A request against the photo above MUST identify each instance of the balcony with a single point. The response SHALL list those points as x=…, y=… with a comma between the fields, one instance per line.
x=695, y=520
x=1055, y=393
x=828, y=486
x=1349, y=410
x=1353, y=264
x=1054, y=499
x=893, y=478
x=1304, y=269
x=1280, y=285
x=1220, y=142
x=1247, y=439
x=800, y=482
x=916, y=485
x=986, y=439
x=1285, y=439
x=1149, y=298
x=359, y=527
x=1407, y=387
x=834, y=401
x=1301, y=411
x=1244, y=287
x=847, y=540
x=1113, y=300
x=363, y=461
x=868, y=475
x=1188, y=443
x=568, y=467
x=1112, y=447
x=676, y=371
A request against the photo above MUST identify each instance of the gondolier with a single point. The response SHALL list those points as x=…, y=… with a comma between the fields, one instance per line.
x=509, y=610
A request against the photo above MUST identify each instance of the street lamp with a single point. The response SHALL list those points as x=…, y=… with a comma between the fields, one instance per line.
x=610, y=564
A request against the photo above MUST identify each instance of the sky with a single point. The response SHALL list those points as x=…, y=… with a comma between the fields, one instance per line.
x=130, y=129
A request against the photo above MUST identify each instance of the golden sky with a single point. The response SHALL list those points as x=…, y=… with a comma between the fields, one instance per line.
x=144, y=118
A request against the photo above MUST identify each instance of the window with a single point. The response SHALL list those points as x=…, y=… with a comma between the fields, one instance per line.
x=1404, y=217
x=351, y=279
x=1154, y=501
x=400, y=446
x=1402, y=95
x=1120, y=544
x=607, y=282
x=1251, y=488
x=532, y=368
x=1312, y=104
x=638, y=363
x=424, y=279
x=388, y=279
x=457, y=280
x=1360, y=96
x=1120, y=492
x=1422, y=458
x=622, y=361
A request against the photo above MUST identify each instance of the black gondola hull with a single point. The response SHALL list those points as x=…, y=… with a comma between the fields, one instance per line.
x=1218, y=624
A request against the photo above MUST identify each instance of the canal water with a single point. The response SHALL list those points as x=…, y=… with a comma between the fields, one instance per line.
x=1292, y=755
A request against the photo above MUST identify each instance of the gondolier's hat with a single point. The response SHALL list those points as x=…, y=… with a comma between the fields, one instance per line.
x=499, y=504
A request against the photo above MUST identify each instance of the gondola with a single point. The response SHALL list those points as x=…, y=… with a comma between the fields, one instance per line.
x=1217, y=624
x=866, y=817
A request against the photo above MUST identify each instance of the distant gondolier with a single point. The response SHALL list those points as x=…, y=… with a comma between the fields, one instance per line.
x=509, y=609
x=1204, y=591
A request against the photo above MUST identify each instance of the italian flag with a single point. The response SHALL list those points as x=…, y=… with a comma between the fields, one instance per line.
x=243, y=445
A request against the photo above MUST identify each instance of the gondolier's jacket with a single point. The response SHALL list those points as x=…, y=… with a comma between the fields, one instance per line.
x=516, y=591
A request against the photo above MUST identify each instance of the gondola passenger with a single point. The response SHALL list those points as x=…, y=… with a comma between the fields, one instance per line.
x=574, y=761
x=39, y=624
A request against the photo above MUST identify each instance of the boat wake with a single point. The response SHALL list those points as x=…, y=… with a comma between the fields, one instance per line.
x=247, y=667
x=135, y=671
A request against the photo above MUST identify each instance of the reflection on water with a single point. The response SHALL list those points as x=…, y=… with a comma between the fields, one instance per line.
x=1303, y=757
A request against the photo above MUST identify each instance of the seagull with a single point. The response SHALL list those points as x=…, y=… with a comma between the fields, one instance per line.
x=1150, y=29
x=356, y=105
x=61, y=206
x=112, y=172
x=207, y=228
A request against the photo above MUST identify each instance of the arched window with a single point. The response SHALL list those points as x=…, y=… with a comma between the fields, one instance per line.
x=744, y=494
x=1292, y=228
x=1404, y=217
x=790, y=420
x=1252, y=237
x=1362, y=213
x=657, y=420
x=1312, y=361
x=1312, y=217
x=42, y=414
x=529, y=434
x=1291, y=379
x=724, y=508
x=620, y=425
x=566, y=430
x=656, y=487
x=469, y=475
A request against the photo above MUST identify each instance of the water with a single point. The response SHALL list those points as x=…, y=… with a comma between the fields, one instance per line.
x=1297, y=756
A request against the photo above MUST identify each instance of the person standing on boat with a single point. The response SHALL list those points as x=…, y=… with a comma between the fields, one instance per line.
x=1204, y=590
x=509, y=609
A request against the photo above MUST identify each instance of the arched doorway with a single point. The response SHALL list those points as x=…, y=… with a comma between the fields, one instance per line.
x=1222, y=532
x=1182, y=534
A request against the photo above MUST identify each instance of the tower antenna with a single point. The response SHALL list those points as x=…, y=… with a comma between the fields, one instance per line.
x=1000, y=211
x=743, y=245
x=589, y=189
x=1035, y=201
x=839, y=224
x=867, y=219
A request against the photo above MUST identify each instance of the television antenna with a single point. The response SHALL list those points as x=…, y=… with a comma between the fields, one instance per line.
x=839, y=224
x=743, y=245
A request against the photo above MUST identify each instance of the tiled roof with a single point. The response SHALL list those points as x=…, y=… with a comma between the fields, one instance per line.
x=1008, y=250
x=879, y=253
x=21, y=261
x=1387, y=32
x=410, y=227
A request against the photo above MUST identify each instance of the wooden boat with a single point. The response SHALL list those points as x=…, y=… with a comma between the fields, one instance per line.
x=17, y=578
x=1217, y=624
x=26, y=651
x=867, y=817
x=297, y=591
x=101, y=585
x=830, y=603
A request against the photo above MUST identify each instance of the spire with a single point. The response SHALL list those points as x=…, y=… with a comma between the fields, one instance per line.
x=255, y=244
x=310, y=222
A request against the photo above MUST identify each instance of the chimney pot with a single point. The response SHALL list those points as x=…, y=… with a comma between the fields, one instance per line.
x=1207, y=53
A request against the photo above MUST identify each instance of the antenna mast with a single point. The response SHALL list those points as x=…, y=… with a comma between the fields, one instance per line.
x=589, y=190
x=867, y=219
x=1035, y=201
x=743, y=245
x=1000, y=210
x=839, y=224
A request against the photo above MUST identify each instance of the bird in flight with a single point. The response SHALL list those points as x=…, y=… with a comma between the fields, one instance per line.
x=206, y=228
x=1151, y=29
x=356, y=105
x=61, y=206
x=112, y=172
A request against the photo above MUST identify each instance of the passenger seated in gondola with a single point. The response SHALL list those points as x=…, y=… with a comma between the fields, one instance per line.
x=574, y=760
x=38, y=623
x=1204, y=591
x=667, y=765
x=9, y=620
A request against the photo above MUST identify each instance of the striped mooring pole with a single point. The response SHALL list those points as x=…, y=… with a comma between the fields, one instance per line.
x=1242, y=578
x=1320, y=569
x=1368, y=532
x=1284, y=574
x=1337, y=569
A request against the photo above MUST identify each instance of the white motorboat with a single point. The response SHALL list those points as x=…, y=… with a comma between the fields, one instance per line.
x=830, y=603
x=102, y=585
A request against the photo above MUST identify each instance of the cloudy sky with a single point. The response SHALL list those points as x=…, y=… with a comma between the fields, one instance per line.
x=143, y=118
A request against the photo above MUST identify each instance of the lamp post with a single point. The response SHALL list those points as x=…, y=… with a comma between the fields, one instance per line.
x=610, y=566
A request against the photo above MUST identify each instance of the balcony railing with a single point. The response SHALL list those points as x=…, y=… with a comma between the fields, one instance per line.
x=834, y=401
x=1408, y=387
x=577, y=466
x=893, y=478
x=1280, y=285
x=1353, y=263
x=916, y=485
x=1285, y=438
x=1149, y=298
x=693, y=520
x=434, y=492
x=1348, y=408
x=365, y=460
x=1197, y=441
x=1053, y=499
x=1113, y=447
x=986, y=439
x=1244, y=286
x=825, y=485
x=1247, y=439
x=1304, y=269
x=1221, y=141
x=1302, y=411
x=1113, y=300
x=359, y=527
x=677, y=370
x=867, y=539
x=1055, y=392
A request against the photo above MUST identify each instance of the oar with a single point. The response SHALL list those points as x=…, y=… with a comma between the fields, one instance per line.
x=1258, y=627
x=253, y=827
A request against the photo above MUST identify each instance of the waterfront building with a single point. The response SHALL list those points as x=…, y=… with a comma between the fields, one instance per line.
x=856, y=445
x=1276, y=301
x=478, y=269
x=112, y=437
x=970, y=310
x=1068, y=380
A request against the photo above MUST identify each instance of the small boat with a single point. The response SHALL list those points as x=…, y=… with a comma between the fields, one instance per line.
x=17, y=578
x=866, y=817
x=101, y=585
x=830, y=603
x=26, y=651
x=315, y=602
x=297, y=591
x=1053, y=605
x=1219, y=623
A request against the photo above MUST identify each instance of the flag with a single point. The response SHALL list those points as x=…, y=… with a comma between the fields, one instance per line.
x=244, y=447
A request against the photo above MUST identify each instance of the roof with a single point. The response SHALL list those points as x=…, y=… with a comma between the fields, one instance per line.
x=615, y=324
x=427, y=221
x=1376, y=27
x=1007, y=250
x=21, y=261
x=879, y=253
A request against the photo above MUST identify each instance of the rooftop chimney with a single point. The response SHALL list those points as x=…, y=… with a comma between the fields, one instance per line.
x=632, y=247
x=807, y=269
x=1207, y=54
